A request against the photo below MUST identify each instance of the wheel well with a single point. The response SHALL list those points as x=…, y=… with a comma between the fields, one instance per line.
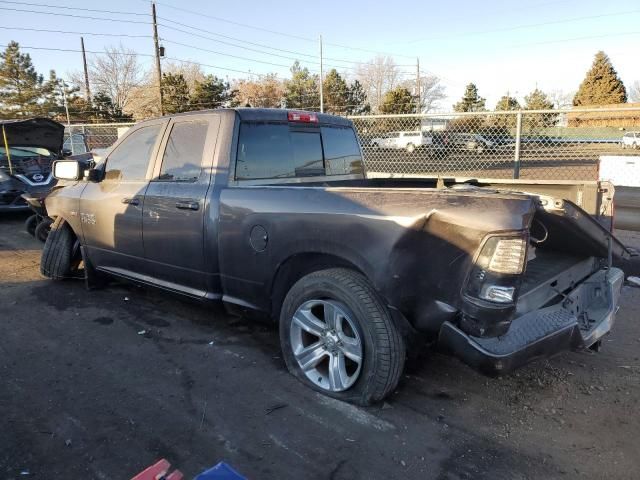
x=67, y=225
x=296, y=267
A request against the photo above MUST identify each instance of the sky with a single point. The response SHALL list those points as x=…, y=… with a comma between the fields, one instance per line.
x=501, y=46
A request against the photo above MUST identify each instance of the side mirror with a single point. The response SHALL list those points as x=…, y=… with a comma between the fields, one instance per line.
x=67, y=170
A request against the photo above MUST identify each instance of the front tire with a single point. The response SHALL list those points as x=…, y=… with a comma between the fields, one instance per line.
x=338, y=338
x=57, y=261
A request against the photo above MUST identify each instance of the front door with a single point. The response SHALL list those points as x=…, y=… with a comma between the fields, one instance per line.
x=175, y=206
x=111, y=210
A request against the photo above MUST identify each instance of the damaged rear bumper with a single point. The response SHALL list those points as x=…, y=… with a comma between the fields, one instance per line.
x=584, y=316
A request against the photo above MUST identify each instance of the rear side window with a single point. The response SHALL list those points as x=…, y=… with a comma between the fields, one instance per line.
x=277, y=150
x=272, y=150
x=182, y=159
x=130, y=159
x=341, y=151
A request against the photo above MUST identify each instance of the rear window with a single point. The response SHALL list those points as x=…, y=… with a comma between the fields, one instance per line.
x=278, y=150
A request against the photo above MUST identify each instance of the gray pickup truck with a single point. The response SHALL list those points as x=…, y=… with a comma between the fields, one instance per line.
x=270, y=211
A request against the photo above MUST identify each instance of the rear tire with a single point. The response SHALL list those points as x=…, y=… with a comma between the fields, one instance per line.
x=57, y=260
x=366, y=325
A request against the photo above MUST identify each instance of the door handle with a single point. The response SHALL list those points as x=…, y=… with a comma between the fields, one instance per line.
x=188, y=205
x=131, y=201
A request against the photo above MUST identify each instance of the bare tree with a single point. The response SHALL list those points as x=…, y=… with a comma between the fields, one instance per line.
x=431, y=91
x=560, y=98
x=115, y=73
x=143, y=102
x=634, y=91
x=192, y=72
x=267, y=91
x=378, y=76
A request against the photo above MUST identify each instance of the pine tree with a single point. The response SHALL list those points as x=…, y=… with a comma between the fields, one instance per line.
x=336, y=93
x=601, y=86
x=20, y=84
x=211, y=92
x=357, y=100
x=105, y=109
x=538, y=100
x=471, y=101
x=398, y=100
x=175, y=93
x=505, y=104
x=301, y=91
x=52, y=101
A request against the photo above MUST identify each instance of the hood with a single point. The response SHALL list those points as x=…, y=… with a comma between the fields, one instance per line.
x=33, y=132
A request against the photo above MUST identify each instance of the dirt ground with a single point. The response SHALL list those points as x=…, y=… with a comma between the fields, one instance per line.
x=98, y=385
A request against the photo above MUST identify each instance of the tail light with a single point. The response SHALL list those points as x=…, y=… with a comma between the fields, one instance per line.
x=503, y=255
x=302, y=117
x=496, y=274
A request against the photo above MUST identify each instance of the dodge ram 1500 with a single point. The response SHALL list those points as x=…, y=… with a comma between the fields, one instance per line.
x=270, y=210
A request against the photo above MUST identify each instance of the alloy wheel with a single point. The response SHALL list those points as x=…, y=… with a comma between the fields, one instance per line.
x=326, y=344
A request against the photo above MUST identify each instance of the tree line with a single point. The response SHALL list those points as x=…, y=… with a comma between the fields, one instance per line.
x=121, y=90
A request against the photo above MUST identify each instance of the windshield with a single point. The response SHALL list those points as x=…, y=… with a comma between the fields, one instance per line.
x=26, y=160
x=26, y=152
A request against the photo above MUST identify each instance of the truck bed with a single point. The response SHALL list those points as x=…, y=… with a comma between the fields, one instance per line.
x=549, y=274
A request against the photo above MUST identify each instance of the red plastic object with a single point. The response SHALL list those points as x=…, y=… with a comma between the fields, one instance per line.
x=158, y=471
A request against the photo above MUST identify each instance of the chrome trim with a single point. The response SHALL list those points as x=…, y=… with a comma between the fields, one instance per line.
x=26, y=180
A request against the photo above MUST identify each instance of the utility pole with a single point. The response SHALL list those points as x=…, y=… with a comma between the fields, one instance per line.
x=87, y=91
x=157, y=50
x=321, y=80
x=418, y=92
x=66, y=108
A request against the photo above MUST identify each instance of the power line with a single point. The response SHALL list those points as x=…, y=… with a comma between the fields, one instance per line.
x=225, y=54
x=530, y=25
x=565, y=40
x=239, y=40
x=77, y=8
x=75, y=33
x=134, y=54
x=170, y=27
x=275, y=32
x=86, y=17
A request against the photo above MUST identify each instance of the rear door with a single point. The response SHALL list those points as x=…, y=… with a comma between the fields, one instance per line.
x=111, y=210
x=175, y=204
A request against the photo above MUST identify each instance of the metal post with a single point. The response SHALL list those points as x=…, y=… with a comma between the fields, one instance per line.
x=7, y=150
x=87, y=90
x=157, y=50
x=418, y=92
x=66, y=108
x=516, y=159
x=321, y=80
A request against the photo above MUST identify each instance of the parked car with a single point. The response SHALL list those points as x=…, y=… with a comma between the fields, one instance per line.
x=269, y=210
x=470, y=141
x=25, y=167
x=408, y=141
x=630, y=140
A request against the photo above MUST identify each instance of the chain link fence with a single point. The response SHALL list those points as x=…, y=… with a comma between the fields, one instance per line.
x=81, y=138
x=526, y=144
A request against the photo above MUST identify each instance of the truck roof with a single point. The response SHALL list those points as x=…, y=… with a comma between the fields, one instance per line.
x=270, y=114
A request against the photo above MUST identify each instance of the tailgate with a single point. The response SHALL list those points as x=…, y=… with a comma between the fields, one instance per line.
x=570, y=229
